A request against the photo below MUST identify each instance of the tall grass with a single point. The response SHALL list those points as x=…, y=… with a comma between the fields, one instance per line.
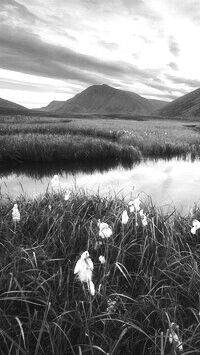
x=151, y=277
x=86, y=139
x=49, y=148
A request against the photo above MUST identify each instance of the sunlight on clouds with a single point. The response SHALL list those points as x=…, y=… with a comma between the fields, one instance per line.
x=147, y=35
x=31, y=99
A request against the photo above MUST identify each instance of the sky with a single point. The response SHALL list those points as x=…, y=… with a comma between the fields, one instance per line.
x=54, y=49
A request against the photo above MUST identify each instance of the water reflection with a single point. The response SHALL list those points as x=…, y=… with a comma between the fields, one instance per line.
x=174, y=182
x=40, y=170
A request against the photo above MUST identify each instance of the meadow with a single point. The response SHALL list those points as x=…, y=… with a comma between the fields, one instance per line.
x=56, y=139
x=147, y=298
x=147, y=288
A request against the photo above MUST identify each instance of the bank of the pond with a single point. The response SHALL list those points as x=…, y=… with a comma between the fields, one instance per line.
x=148, y=285
x=172, y=183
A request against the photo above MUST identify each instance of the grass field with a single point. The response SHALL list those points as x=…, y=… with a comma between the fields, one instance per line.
x=147, y=293
x=150, y=279
x=52, y=139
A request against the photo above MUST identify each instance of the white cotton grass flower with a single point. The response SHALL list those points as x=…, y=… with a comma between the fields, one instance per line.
x=104, y=230
x=67, y=195
x=84, y=268
x=137, y=203
x=141, y=213
x=102, y=259
x=196, y=225
x=131, y=206
x=15, y=213
x=144, y=221
x=143, y=218
x=125, y=217
x=55, y=183
x=173, y=336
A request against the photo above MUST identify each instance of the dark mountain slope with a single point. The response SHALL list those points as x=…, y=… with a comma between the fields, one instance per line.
x=103, y=99
x=6, y=105
x=185, y=106
x=52, y=106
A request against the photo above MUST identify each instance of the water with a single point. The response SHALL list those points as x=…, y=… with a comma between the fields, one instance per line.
x=169, y=183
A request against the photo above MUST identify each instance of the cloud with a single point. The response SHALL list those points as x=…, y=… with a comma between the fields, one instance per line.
x=33, y=87
x=173, y=66
x=161, y=87
x=173, y=46
x=13, y=11
x=108, y=45
x=190, y=9
x=25, y=52
x=194, y=83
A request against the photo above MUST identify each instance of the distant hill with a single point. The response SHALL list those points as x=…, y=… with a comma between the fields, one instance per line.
x=52, y=106
x=158, y=104
x=104, y=99
x=6, y=106
x=185, y=106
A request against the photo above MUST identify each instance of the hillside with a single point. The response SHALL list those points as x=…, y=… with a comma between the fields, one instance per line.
x=158, y=104
x=104, y=99
x=6, y=105
x=53, y=106
x=185, y=106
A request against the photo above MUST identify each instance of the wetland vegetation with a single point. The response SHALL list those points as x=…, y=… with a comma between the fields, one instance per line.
x=147, y=288
x=53, y=139
x=147, y=298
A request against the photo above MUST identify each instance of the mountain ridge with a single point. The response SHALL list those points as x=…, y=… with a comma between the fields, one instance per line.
x=10, y=105
x=187, y=105
x=104, y=99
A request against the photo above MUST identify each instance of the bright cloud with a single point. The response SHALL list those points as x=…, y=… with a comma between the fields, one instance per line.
x=52, y=50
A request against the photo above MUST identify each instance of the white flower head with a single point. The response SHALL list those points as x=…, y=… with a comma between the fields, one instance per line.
x=67, y=195
x=196, y=226
x=131, y=206
x=15, y=213
x=141, y=213
x=84, y=268
x=137, y=203
x=102, y=259
x=173, y=336
x=104, y=230
x=125, y=217
x=144, y=221
x=143, y=218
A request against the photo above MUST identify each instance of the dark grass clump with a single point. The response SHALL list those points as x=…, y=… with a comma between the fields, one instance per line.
x=150, y=279
x=50, y=148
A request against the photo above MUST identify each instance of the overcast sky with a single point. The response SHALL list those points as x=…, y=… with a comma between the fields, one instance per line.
x=54, y=49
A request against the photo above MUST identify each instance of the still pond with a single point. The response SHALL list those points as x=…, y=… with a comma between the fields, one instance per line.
x=169, y=183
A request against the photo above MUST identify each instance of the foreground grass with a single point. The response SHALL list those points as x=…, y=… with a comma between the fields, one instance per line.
x=98, y=139
x=151, y=278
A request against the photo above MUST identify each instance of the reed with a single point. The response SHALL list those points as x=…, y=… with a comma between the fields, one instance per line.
x=85, y=139
x=150, y=279
x=52, y=147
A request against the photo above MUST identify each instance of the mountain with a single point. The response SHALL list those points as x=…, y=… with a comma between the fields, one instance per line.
x=158, y=104
x=52, y=106
x=185, y=106
x=104, y=99
x=6, y=105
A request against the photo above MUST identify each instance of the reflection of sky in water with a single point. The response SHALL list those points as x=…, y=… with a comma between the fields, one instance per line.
x=174, y=182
